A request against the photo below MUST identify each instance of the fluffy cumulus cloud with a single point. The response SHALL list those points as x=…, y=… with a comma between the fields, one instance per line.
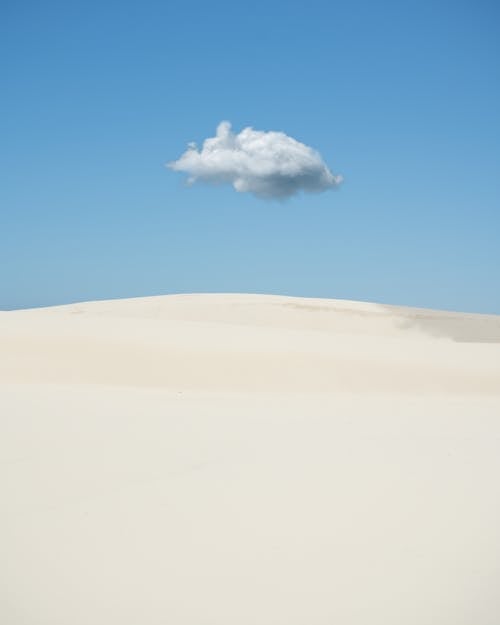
x=267, y=164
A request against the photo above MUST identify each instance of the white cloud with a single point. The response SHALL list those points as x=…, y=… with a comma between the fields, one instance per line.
x=267, y=164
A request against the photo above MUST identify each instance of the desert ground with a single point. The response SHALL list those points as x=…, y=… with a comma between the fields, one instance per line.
x=226, y=459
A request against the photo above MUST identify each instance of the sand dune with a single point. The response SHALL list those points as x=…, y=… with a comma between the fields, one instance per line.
x=248, y=459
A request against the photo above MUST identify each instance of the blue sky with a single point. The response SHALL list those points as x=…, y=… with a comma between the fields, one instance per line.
x=401, y=98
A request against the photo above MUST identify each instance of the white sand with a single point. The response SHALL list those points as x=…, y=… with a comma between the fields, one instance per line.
x=249, y=460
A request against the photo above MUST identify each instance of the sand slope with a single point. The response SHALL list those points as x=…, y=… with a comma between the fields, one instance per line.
x=246, y=459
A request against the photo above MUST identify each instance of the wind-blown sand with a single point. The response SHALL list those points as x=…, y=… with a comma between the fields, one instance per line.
x=249, y=460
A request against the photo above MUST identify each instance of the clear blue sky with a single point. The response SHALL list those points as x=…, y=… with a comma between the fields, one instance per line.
x=401, y=98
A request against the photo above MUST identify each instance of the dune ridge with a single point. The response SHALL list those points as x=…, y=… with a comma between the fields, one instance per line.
x=249, y=342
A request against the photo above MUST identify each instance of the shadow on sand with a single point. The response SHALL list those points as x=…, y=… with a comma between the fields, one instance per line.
x=460, y=327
